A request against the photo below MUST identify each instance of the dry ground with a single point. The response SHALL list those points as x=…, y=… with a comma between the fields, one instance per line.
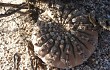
x=16, y=29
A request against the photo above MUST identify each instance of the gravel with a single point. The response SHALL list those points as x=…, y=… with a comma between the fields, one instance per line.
x=16, y=29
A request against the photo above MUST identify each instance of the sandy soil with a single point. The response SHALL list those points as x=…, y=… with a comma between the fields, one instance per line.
x=16, y=29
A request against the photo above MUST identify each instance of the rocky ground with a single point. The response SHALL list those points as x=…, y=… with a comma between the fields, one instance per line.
x=16, y=29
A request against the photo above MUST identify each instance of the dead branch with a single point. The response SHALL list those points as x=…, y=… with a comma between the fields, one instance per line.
x=13, y=5
x=17, y=6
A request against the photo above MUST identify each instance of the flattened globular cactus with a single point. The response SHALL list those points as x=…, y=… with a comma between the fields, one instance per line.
x=63, y=39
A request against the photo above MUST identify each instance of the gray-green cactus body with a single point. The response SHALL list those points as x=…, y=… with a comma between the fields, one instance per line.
x=63, y=38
